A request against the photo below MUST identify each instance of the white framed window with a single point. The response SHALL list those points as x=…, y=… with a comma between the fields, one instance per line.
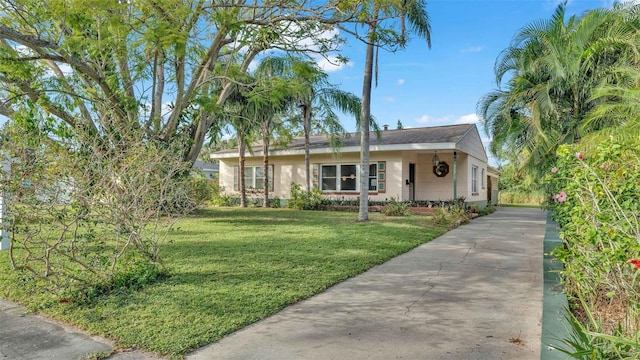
x=343, y=177
x=474, y=179
x=483, y=178
x=373, y=177
x=253, y=177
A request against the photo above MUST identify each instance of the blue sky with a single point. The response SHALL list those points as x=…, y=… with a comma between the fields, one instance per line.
x=423, y=87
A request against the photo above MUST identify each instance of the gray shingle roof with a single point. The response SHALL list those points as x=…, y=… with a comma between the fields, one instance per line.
x=423, y=135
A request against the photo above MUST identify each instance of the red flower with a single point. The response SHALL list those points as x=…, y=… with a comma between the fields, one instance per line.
x=635, y=262
x=579, y=156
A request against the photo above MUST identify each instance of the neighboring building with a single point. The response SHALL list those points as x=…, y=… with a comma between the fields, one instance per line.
x=429, y=163
x=493, y=175
x=209, y=170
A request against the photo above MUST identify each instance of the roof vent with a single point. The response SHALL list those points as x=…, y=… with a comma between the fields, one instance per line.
x=385, y=127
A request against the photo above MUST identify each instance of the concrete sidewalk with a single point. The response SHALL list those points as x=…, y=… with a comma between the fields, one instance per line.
x=474, y=293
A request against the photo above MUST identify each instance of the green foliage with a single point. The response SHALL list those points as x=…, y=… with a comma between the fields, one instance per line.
x=595, y=198
x=202, y=189
x=302, y=200
x=76, y=211
x=549, y=78
x=396, y=208
x=452, y=215
x=598, y=219
x=522, y=197
x=133, y=277
x=590, y=342
x=218, y=196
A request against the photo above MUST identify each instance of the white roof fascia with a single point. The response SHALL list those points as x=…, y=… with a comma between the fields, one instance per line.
x=350, y=149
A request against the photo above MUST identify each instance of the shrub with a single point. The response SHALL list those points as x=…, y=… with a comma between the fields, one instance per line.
x=201, y=189
x=595, y=198
x=396, y=208
x=522, y=197
x=218, y=197
x=452, y=215
x=301, y=200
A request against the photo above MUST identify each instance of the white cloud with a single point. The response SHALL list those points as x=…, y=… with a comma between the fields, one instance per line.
x=427, y=119
x=389, y=99
x=468, y=119
x=472, y=49
x=400, y=82
x=447, y=120
x=332, y=63
x=314, y=45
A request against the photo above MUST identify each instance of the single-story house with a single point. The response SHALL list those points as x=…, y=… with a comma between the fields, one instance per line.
x=209, y=170
x=424, y=164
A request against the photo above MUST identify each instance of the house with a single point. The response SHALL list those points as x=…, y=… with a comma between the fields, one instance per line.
x=208, y=170
x=493, y=175
x=425, y=164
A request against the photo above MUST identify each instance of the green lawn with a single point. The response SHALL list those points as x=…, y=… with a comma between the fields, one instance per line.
x=230, y=267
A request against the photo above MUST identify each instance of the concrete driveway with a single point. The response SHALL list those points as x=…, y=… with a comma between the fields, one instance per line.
x=473, y=293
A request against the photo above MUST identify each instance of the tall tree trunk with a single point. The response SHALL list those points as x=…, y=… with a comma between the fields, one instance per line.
x=243, y=188
x=365, y=114
x=265, y=152
x=307, y=156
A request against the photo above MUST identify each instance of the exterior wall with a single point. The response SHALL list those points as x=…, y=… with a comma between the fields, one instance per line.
x=472, y=144
x=288, y=169
x=428, y=186
x=468, y=162
x=494, y=188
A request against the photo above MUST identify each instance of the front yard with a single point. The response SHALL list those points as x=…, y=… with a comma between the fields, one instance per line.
x=230, y=267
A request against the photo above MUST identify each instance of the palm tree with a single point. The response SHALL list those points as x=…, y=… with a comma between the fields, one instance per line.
x=382, y=17
x=555, y=66
x=318, y=99
x=238, y=113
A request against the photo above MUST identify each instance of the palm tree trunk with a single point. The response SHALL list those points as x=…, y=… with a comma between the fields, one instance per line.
x=307, y=156
x=265, y=152
x=365, y=114
x=243, y=189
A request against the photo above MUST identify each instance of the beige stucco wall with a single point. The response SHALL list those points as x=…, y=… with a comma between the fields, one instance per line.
x=428, y=186
x=288, y=169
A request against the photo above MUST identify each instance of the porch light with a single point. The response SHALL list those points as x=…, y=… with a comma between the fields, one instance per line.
x=435, y=159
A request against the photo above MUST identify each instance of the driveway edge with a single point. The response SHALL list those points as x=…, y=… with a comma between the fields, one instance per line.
x=555, y=304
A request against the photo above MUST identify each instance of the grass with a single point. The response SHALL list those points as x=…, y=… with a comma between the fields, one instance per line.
x=230, y=267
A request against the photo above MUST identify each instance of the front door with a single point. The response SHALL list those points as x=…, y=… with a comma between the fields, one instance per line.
x=412, y=182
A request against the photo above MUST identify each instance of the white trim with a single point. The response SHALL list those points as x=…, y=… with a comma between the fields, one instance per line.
x=348, y=149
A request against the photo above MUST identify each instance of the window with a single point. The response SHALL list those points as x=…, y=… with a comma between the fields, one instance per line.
x=482, y=178
x=253, y=177
x=339, y=177
x=329, y=176
x=474, y=179
x=345, y=177
x=373, y=177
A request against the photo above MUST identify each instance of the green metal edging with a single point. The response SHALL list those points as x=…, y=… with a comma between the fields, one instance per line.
x=555, y=305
